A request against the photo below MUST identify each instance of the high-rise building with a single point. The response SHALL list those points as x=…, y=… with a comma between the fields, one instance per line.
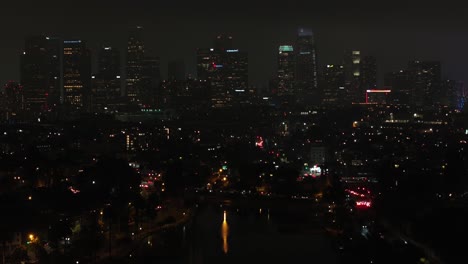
x=426, y=78
x=134, y=68
x=286, y=68
x=106, y=84
x=401, y=85
x=225, y=72
x=237, y=76
x=176, y=70
x=368, y=73
x=40, y=73
x=76, y=74
x=334, y=92
x=451, y=94
x=352, y=70
x=13, y=99
x=306, y=65
x=150, y=80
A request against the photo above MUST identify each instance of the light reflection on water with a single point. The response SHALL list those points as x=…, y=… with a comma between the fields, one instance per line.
x=225, y=234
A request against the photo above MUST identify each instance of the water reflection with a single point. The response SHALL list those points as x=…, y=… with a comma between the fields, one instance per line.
x=225, y=233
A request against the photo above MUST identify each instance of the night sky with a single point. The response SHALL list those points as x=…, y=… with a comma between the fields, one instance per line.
x=394, y=32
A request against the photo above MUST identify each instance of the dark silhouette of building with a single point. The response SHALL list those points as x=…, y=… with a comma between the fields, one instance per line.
x=106, y=84
x=400, y=84
x=419, y=85
x=176, y=70
x=368, y=74
x=150, y=81
x=40, y=73
x=426, y=78
x=306, y=64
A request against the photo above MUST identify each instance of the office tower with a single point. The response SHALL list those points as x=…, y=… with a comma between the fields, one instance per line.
x=451, y=94
x=149, y=81
x=352, y=70
x=334, y=92
x=286, y=67
x=34, y=73
x=106, y=84
x=76, y=74
x=13, y=99
x=401, y=85
x=134, y=67
x=426, y=78
x=40, y=73
x=237, y=75
x=368, y=73
x=306, y=65
x=225, y=72
x=176, y=70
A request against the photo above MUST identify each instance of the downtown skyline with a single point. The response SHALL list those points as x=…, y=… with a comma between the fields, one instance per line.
x=393, y=36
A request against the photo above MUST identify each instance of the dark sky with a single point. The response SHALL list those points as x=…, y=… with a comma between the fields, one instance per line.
x=393, y=31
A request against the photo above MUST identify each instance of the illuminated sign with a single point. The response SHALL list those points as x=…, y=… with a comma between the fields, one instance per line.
x=315, y=171
x=218, y=65
x=71, y=41
x=232, y=50
x=305, y=53
x=259, y=142
x=240, y=91
x=378, y=91
x=363, y=204
x=286, y=48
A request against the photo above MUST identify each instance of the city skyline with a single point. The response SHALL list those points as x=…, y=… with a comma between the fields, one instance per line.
x=393, y=36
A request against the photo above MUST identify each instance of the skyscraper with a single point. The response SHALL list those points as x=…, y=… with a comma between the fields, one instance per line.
x=334, y=92
x=76, y=74
x=225, y=71
x=352, y=70
x=106, y=84
x=368, y=73
x=286, y=66
x=134, y=68
x=13, y=99
x=34, y=73
x=426, y=78
x=176, y=70
x=149, y=81
x=401, y=85
x=306, y=65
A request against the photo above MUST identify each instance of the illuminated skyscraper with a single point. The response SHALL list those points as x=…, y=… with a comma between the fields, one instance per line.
x=306, y=64
x=76, y=74
x=352, y=70
x=225, y=71
x=334, y=92
x=286, y=66
x=134, y=68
